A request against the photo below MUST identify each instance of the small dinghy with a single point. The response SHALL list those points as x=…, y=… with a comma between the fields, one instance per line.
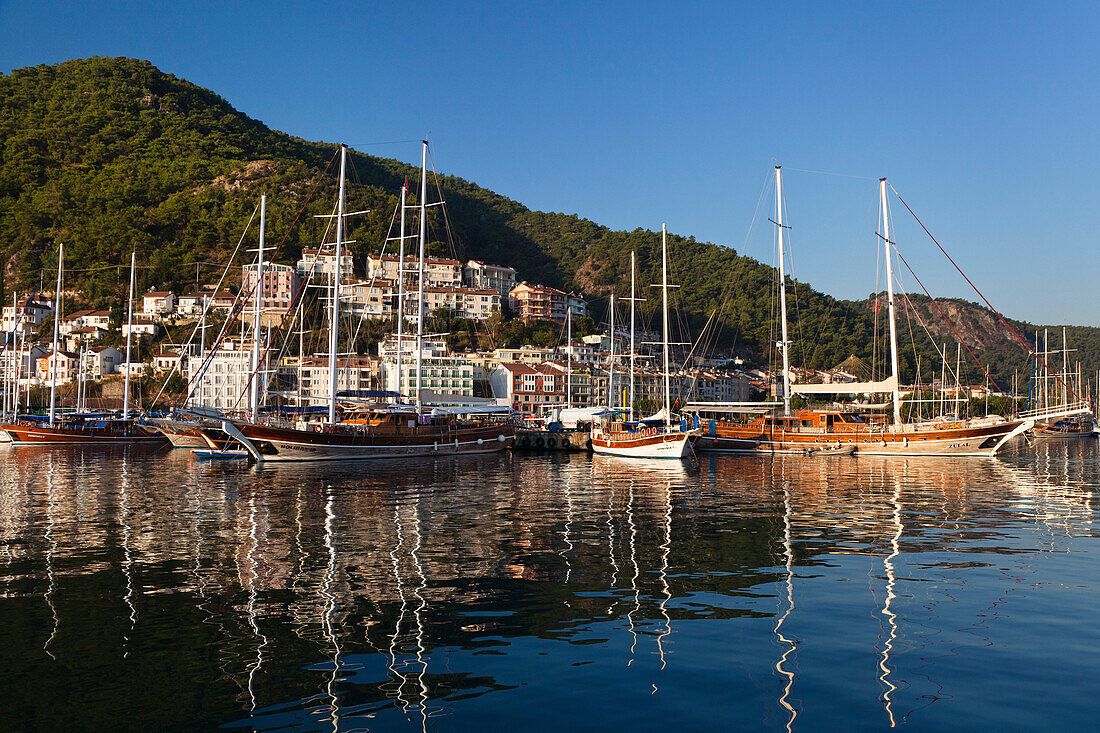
x=210, y=454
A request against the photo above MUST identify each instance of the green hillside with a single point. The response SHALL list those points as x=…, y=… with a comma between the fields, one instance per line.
x=109, y=155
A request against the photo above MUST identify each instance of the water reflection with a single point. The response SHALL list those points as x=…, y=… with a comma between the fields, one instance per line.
x=541, y=592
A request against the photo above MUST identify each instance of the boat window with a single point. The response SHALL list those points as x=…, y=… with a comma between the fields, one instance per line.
x=807, y=423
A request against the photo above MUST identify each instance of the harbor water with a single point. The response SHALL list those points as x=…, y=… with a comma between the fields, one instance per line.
x=147, y=590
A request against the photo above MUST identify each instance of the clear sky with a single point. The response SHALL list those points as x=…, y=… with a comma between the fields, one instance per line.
x=982, y=115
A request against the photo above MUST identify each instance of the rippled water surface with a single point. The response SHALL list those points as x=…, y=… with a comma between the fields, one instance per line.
x=148, y=590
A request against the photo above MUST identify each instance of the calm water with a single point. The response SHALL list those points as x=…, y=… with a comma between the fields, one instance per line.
x=147, y=591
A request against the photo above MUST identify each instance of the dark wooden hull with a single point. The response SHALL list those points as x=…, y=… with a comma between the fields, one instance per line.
x=33, y=434
x=271, y=443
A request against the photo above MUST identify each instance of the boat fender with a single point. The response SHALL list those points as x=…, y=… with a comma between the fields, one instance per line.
x=565, y=441
x=540, y=442
x=525, y=442
x=552, y=443
x=500, y=438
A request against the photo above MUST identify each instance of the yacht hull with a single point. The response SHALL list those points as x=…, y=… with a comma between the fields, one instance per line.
x=45, y=435
x=664, y=445
x=269, y=443
x=963, y=441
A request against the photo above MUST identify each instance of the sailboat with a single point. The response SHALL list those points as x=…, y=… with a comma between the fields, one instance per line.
x=84, y=429
x=764, y=428
x=1075, y=426
x=386, y=431
x=660, y=436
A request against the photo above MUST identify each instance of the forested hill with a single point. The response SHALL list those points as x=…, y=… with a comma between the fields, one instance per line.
x=112, y=154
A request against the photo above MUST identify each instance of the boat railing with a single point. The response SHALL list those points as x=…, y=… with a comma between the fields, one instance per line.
x=1075, y=408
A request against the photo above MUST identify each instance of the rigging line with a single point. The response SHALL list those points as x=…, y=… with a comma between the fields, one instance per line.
x=948, y=320
x=239, y=306
x=359, y=327
x=381, y=142
x=206, y=307
x=927, y=332
x=979, y=292
x=830, y=173
x=446, y=218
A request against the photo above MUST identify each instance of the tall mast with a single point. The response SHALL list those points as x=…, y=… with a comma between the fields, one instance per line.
x=1065, y=367
x=334, y=318
x=17, y=355
x=256, y=313
x=420, y=268
x=568, y=355
x=202, y=347
x=129, y=337
x=890, y=300
x=9, y=374
x=664, y=314
x=400, y=286
x=56, y=321
x=611, y=364
x=631, y=336
x=784, y=344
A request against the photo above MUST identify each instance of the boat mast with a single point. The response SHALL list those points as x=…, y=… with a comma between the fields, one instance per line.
x=568, y=355
x=611, y=363
x=19, y=340
x=56, y=322
x=890, y=301
x=1065, y=367
x=257, y=310
x=9, y=371
x=631, y=414
x=202, y=348
x=400, y=286
x=129, y=336
x=334, y=318
x=420, y=269
x=784, y=344
x=664, y=314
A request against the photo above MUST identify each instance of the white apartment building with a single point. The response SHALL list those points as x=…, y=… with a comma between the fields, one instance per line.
x=193, y=303
x=224, y=382
x=28, y=315
x=460, y=302
x=442, y=374
x=369, y=299
x=140, y=328
x=354, y=375
x=67, y=363
x=438, y=272
x=483, y=276
x=158, y=303
x=98, y=363
x=322, y=263
x=85, y=319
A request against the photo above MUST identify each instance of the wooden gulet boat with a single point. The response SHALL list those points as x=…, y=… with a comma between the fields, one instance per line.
x=753, y=428
x=81, y=430
x=662, y=436
x=395, y=431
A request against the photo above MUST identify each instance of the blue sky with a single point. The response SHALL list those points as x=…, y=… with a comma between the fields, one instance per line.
x=983, y=116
